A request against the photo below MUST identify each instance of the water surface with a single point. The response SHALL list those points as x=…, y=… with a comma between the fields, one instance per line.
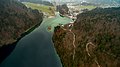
x=37, y=49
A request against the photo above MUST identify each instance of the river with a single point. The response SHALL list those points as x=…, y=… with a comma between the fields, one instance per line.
x=37, y=49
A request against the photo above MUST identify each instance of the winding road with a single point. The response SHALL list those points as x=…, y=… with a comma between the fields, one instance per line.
x=73, y=42
x=87, y=50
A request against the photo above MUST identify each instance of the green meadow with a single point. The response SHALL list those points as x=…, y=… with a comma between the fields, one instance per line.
x=88, y=7
x=40, y=7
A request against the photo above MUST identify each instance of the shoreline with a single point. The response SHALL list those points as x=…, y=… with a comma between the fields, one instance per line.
x=6, y=50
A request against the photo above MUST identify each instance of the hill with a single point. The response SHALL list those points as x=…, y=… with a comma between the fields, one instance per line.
x=63, y=9
x=97, y=40
x=15, y=19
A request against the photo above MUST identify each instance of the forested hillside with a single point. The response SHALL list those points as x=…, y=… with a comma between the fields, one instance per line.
x=63, y=9
x=97, y=40
x=16, y=21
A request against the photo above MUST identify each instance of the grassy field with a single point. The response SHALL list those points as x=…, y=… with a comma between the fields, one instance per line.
x=40, y=7
x=88, y=7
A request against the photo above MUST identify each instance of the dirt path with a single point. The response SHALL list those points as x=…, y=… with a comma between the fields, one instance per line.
x=87, y=50
x=73, y=40
x=73, y=44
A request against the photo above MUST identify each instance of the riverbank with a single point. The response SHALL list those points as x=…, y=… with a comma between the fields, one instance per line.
x=5, y=50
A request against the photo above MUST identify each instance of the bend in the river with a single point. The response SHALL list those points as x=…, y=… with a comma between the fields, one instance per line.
x=36, y=49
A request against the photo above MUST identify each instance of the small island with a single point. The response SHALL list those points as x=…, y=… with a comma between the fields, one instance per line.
x=49, y=28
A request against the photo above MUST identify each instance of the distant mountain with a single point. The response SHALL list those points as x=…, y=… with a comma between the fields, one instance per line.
x=100, y=3
x=104, y=1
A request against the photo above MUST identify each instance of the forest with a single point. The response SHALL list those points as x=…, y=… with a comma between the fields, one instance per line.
x=16, y=20
x=97, y=39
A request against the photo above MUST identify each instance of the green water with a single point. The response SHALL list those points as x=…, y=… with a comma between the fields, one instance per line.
x=37, y=49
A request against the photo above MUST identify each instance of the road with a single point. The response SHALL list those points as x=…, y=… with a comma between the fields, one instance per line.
x=87, y=50
x=73, y=42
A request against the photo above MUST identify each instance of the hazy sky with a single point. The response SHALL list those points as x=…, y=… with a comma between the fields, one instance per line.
x=83, y=0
